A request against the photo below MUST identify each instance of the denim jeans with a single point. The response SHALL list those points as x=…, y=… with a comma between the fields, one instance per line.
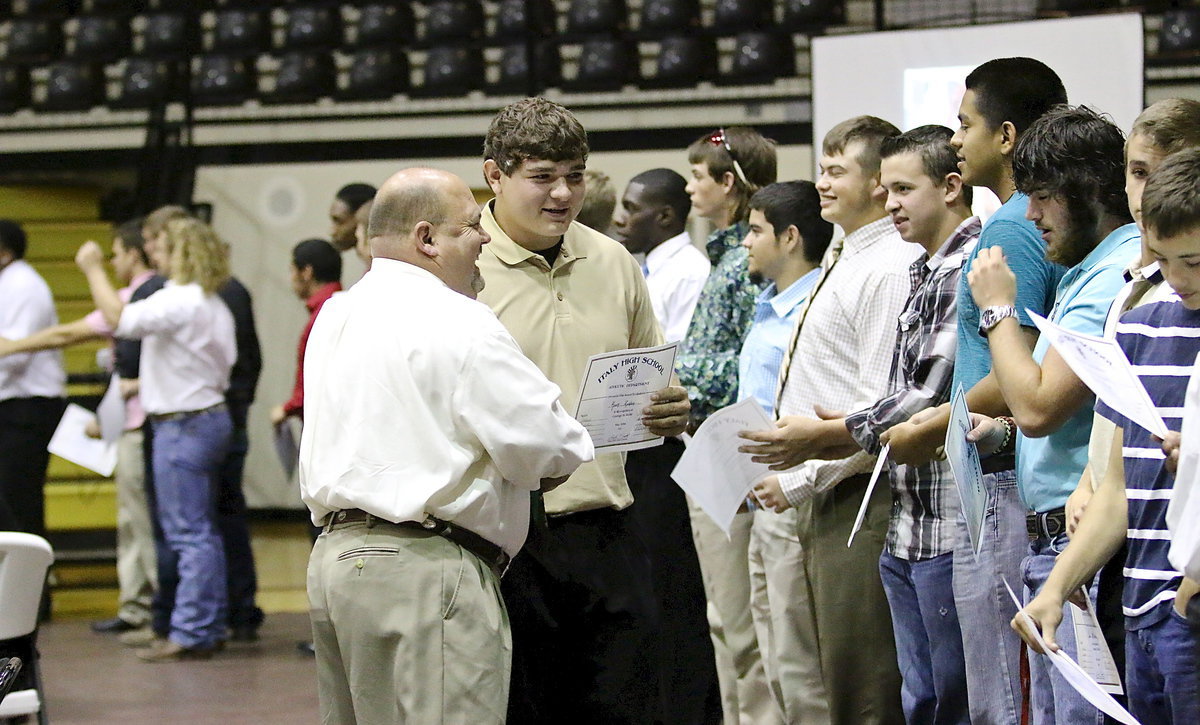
x=1051, y=699
x=187, y=453
x=991, y=649
x=1163, y=671
x=929, y=646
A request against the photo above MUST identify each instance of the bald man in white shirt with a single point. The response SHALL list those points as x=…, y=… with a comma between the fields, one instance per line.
x=416, y=470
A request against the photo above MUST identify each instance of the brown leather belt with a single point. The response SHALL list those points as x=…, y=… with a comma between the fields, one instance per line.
x=490, y=553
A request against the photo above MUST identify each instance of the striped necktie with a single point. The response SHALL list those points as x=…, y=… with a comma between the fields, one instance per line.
x=831, y=258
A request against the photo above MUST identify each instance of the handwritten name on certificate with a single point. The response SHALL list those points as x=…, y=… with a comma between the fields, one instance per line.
x=616, y=387
x=1102, y=366
x=963, y=457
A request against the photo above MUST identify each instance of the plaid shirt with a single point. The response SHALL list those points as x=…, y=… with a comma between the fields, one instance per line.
x=707, y=362
x=925, y=503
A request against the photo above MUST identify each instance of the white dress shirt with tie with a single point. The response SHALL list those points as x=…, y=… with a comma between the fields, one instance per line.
x=675, y=273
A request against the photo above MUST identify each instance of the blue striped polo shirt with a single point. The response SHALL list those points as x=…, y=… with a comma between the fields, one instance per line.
x=1161, y=340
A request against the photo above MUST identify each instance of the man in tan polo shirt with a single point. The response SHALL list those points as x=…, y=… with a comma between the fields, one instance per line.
x=580, y=595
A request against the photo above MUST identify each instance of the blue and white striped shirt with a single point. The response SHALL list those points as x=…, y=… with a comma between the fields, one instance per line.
x=775, y=315
x=1161, y=340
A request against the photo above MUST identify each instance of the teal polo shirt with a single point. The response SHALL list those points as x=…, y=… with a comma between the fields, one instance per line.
x=1049, y=468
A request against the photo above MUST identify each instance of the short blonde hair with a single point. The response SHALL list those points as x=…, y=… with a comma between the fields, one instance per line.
x=197, y=254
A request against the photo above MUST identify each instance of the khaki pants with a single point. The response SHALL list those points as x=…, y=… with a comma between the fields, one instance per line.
x=854, y=622
x=137, y=575
x=784, y=621
x=408, y=628
x=724, y=566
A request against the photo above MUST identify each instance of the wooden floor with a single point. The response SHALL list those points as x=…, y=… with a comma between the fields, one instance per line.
x=91, y=679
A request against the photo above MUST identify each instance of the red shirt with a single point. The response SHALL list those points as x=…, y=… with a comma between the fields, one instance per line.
x=295, y=404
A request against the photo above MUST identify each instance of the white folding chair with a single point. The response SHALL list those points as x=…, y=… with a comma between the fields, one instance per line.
x=24, y=561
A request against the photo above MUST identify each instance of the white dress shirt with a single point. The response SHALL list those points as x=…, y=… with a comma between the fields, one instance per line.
x=27, y=306
x=188, y=347
x=844, y=352
x=417, y=401
x=676, y=271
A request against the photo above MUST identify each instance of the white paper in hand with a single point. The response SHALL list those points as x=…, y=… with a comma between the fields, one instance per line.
x=72, y=443
x=111, y=411
x=862, y=508
x=1102, y=366
x=1075, y=676
x=963, y=457
x=712, y=470
x=1092, y=651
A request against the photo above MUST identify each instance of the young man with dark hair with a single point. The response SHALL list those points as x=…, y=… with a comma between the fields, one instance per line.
x=580, y=595
x=136, y=574
x=316, y=274
x=32, y=387
x=728, y=166
x=650, y=221
x=1003, y=96
x=342, y=222
x=1161, y=340
x=786, y=239
x=839, y=358
x=1070, y=163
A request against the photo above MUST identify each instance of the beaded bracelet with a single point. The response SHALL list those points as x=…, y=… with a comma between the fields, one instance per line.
x=1010, y=426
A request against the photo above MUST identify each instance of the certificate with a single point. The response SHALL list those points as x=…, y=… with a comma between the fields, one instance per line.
x=862, y=507
x=1103, y=367
x=616, y=387
x=70, y=441
x=963, y=457
x=712, y=470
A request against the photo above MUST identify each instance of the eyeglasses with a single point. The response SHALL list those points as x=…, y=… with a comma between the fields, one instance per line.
x=718, y=138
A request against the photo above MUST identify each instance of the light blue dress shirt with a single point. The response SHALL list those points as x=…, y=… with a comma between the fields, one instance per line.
x=775, y=315
x=1048, y=468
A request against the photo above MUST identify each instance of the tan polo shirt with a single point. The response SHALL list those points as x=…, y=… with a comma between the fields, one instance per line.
x=593, y=300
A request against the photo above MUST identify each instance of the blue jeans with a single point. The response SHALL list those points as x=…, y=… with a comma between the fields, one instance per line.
x=929, y=646
x=1051, y=699
x=187, y=454
x=991, y=648
x=1163, y=671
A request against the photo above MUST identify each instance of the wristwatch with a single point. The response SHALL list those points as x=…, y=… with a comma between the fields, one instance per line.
x=991, y=316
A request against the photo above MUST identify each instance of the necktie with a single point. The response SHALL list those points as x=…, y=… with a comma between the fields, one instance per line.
x=831, y=258
x=645, y=270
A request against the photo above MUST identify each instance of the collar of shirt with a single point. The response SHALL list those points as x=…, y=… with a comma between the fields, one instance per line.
x=786, y=301
x=322, y=294
x=660, y=255
x=1150, y=273
x=867, y=236
x=723, y=240
x=953, y=251
x=1106, y=247
x=513, y=254
x=141, y=279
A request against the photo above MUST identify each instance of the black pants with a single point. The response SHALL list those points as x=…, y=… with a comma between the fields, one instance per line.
x=584, y=624
x=691, y=694
x=240, y=574
x=26, y=425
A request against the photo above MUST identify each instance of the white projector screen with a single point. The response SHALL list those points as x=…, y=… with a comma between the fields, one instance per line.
x=914, y=77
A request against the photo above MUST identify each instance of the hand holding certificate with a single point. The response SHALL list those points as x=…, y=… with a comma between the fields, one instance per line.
x=963, y=457
x=1103, y=367
x=70, y=441
x=616, y=387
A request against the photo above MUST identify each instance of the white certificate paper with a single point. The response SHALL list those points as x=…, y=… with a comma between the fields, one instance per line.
x=1075, y=675
x=1090, y=648
x=111, y=411
x=712, y=470
x=72, y=443
x=862, y=507
x=963, y=457
x=1103, y=367
x=616, y=387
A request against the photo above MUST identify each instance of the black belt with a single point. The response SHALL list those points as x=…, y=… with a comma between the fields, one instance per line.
x=1046, y=525
x=996, y=464
x=491, y=554
x=160, y=417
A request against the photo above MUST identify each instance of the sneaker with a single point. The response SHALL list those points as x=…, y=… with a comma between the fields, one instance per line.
x=143, y=637
x=164, y=650
x=116, y=625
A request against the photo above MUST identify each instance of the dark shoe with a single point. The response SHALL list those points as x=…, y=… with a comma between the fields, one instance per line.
x=244, y=633
x=307, y=648
x=116, y=625
x=168, y=651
